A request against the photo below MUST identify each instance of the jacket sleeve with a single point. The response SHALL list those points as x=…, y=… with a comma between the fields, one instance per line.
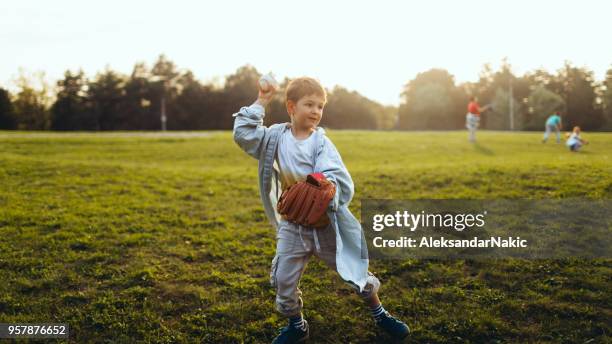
x=249, y=131
x=330, y=164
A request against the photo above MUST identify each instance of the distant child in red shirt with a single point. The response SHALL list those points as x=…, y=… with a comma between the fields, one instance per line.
x=472, y=119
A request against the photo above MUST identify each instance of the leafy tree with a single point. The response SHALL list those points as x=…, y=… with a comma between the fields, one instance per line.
x=135, y=107
x=432, y=101
x=240, y=89
x=540, y=77
x=484, y=88
x=387, y=117
x=430, y=106
x=349, y=110
x=607, y=100
x=70, y=110
x=195, y=106
x=31, y=104
x=105, y=94
x=542, y=103
x=577, y=88
x=7, y=116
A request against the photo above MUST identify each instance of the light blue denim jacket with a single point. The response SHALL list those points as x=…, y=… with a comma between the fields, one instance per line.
x=261, y=143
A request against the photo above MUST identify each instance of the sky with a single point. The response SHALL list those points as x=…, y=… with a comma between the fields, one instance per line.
x=373, y=47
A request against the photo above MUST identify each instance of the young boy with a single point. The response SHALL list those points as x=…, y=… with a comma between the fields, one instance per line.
x=574, y=142
x=287, y=153
x=553, y=123
x=472, y=118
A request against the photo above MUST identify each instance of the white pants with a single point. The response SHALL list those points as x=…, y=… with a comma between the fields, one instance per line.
x=295, y=245
x=472, y=122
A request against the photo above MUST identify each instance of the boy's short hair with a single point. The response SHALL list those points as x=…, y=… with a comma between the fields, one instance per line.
x=302, y=87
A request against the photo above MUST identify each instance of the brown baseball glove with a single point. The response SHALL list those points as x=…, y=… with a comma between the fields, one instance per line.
x=306, y=202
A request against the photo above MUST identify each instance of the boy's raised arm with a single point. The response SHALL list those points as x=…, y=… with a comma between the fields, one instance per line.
x=249, y=131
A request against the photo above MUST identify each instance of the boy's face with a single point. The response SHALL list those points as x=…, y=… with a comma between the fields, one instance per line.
x=308, y=111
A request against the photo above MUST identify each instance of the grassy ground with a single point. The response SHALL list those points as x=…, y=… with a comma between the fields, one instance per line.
x=163, y=239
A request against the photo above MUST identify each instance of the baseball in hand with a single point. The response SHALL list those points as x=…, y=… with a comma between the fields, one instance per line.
x=267, y=83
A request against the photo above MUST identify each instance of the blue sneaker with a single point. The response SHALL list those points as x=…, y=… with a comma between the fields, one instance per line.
x=290, y=334
x=395, y=328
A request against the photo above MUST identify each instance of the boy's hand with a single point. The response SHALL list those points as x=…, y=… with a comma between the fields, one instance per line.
x=265, y=97
x=267, y=87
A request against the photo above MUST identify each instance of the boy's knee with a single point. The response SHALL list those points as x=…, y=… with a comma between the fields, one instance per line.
x=284, y=274
x=286, y=286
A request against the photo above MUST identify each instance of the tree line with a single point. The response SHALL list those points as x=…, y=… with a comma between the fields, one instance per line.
x=431, y=101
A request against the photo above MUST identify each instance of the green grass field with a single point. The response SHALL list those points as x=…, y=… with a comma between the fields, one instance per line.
x=163, y=239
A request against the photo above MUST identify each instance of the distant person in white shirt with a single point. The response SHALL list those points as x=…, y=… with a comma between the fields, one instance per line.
x=574, y=141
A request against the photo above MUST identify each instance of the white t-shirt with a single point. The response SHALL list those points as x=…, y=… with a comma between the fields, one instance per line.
x=295, y=158
x=573, y=139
